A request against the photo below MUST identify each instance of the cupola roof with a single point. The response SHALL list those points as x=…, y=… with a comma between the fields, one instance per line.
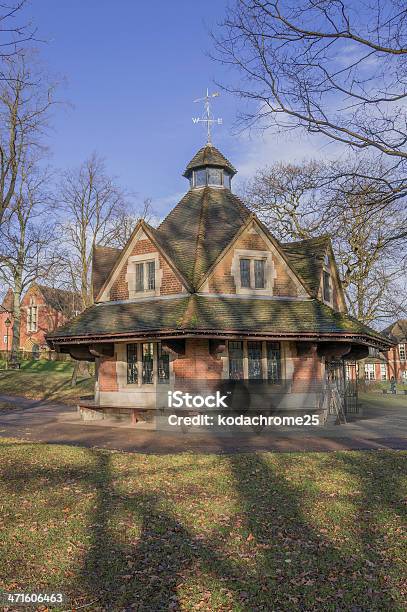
x=209, y=156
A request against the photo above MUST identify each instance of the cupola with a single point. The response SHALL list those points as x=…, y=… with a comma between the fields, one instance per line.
x=209, y=168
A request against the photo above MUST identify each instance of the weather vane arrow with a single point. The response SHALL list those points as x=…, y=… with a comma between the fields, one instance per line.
x=207, y=116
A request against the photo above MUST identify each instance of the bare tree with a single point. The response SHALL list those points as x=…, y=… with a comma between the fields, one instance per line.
x=25, y=101
x=297, y=202
x=28, y=241
x=92, y=208
x=286, y=199
x=337, y=68
x=16, y=32
x=127, y=220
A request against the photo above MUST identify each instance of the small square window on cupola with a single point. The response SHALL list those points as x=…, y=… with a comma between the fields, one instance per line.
x=143, y=275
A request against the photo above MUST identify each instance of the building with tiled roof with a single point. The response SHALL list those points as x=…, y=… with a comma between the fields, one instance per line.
x=43, y=309
x=211, y=294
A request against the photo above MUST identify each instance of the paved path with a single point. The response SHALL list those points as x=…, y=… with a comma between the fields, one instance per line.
x=59, y=424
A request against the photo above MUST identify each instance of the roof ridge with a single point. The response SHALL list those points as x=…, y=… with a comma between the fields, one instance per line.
x=200, y=235
x=298, y=242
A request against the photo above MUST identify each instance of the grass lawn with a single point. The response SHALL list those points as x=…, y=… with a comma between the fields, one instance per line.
x=380, y=400
x=45, y=380
x=115, y=531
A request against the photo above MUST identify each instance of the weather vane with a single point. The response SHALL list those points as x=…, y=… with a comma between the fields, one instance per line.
x=207, y=117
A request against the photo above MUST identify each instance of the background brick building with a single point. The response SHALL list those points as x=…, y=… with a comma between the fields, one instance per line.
x=43, y=309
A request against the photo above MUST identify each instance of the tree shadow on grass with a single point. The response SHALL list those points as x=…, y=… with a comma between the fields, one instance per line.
x=281, y=561
x=299, y=563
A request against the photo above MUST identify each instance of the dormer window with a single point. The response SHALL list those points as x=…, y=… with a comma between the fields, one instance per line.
x=326, y=285
x=143, y=275
x=252, y=273
x=327, y=280
x=213, y=177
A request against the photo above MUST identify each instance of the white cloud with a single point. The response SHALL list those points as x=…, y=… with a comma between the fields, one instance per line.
x=265, y=148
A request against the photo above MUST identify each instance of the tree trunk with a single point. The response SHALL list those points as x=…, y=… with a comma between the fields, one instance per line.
x=15, y=345
x=81, y=368
x=74, y=378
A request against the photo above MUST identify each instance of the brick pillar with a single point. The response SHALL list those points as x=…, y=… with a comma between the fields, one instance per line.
x=107, y=376
x=198, y=363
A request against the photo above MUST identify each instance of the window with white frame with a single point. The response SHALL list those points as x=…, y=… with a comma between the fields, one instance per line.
x=402, y=352
x=370, y=371
x=404, y=376
x=254, y=360
x=383, y=371
x=147, y=364
x=32, y=323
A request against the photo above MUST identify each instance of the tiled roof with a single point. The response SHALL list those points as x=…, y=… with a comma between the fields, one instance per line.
x=307, y=258
x=103, y=261
x=198, y=313
x=397, y=330
x=209, y=156
x=8, y=300
x=199, y=228
x=60, y=299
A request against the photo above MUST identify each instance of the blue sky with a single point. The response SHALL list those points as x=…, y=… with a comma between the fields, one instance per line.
x=132, y=70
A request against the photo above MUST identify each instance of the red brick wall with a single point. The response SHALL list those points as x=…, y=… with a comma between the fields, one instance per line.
x=308, y=370
x=396, y=367
x=170, y=282
x=107, y=376
x=48, y=319
x=197, y=362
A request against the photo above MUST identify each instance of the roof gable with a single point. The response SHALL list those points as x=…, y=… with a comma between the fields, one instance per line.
x=397, y=330
x=58, y=299
x=141, y=228
x=307, y=258
x=254, y=236
x=8, y=301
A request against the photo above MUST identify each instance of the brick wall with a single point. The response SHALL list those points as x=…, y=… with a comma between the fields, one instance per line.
x=170, y=282
x=197, y=362
x=222, y=281
x=307, y=370
x=107, y=376
x=48, y=319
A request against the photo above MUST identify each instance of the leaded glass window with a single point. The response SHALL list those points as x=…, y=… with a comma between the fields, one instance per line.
x=132, y=372
x=245, y=273
x=200, y=177
x=139, y=277
x=273, y=361
x=259, y=278
x=150, y=275
x=214, y=176
x=163, y=366
x=147, y=358
x=254, y=360
x=326, y=286
x=236, y=360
